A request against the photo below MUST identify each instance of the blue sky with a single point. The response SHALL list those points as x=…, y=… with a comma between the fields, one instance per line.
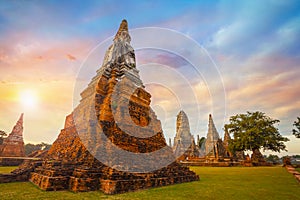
x=255, y=45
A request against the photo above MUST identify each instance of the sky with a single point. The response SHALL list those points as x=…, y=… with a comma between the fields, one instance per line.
x=219, y=57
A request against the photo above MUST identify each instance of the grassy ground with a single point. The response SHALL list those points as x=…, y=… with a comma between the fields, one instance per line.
x=298, y=169
x=253, y=183
x=4, y=170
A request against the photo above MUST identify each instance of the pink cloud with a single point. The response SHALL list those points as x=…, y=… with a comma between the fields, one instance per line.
x=70, y=57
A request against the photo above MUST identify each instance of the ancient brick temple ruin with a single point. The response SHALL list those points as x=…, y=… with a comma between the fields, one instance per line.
x=184, y=144
x=217, y=149
x=13, y=145
x=112, y=141
x=12, y=148
x=214, y=147
x=211, y=149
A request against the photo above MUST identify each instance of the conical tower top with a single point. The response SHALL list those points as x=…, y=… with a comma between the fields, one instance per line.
x=18, y=128
x=210, y=117
x=21, y=118
x=182, y=123
x=123, y=28
x=17, y=131
x=120, y=52
x=212, y=133
x=226, y=137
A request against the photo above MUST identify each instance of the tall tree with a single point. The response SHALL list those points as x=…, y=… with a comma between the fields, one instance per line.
x=273, y=159
x=30, y=148
x=255, y=130
x=201, y=141
x=2, y=135
x=296, y=131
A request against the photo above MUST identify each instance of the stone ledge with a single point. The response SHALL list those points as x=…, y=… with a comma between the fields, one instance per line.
x=8, y=178
x=11, y=161
x=84, y=184
x=293, y=171
x=105, y=185
x=49, y=183
x=121, y=186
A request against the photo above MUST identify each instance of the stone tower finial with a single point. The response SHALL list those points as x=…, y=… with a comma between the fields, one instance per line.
x=18, y=128
x=21, y=118
x=210, y=118
x=121, y=51
x=182, y=125
x=123, y=28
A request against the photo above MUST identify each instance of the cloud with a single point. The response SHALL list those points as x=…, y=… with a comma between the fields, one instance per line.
x=160, y=56
x=256, y=25
x=35, y=59
x=70, y=57
x=275, y=94
x=254, y=44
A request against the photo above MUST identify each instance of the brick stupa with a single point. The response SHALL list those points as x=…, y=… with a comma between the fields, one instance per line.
x=13, y=145
x=214, y=146
x=112, y=141
x=184, y=143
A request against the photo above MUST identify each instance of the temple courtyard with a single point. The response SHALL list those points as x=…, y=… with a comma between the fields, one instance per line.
x=216, y=183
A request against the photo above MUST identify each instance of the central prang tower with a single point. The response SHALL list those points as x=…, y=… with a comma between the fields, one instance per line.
x=113, y=140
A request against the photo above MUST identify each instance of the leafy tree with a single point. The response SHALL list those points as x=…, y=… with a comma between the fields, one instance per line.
x=2, y=135
x=296, y=156
x=296, y=131
x=30, y=148
x=255, y=130
x=201, y=141
x=273, y=159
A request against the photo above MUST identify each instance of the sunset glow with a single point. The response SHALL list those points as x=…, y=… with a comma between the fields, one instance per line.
x=28, y=99
x=254, y=45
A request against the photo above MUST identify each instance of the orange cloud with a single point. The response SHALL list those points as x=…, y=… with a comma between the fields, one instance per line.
x=70, y=57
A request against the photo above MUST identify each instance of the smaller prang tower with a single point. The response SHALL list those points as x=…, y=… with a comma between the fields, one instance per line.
x=13, y=145
x=184, y=143
x=214, y=146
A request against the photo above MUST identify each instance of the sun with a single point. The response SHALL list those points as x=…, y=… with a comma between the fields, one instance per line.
x=28, y=98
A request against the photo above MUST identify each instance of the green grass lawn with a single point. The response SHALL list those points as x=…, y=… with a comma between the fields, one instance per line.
x=8, y=169
x=216, y=183
x=298, y=169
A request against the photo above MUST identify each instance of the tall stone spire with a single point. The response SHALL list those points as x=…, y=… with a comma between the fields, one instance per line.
x=18, y=128
x=184, y=142
x=13, y=145
x=120, y=52
x=123, y=28
x=183, y=135
x=183, y=125
x=212, y=135
x=227, y=138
